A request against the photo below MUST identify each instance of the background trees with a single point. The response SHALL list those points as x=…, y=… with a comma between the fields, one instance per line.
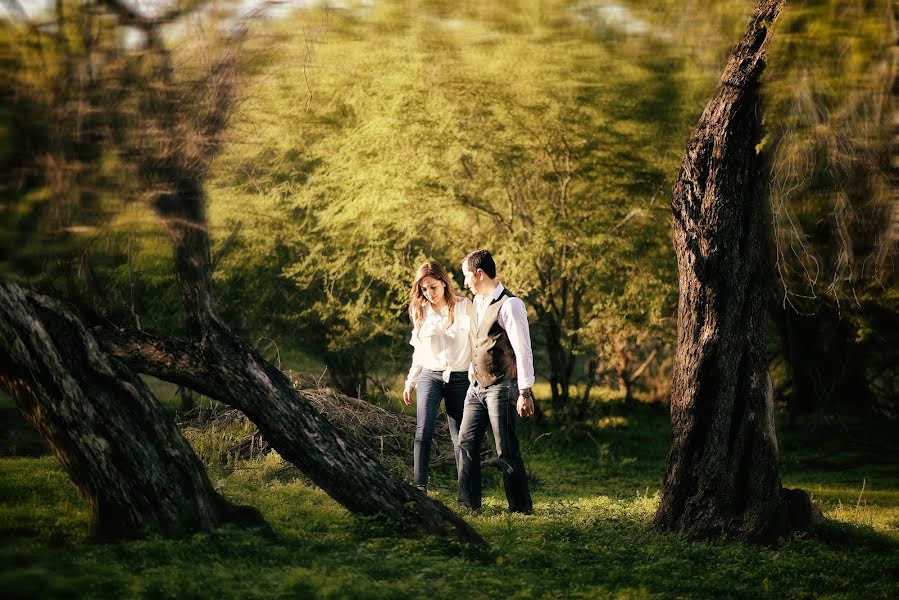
x=831, y=95
x=550, y=135
x=430, y=136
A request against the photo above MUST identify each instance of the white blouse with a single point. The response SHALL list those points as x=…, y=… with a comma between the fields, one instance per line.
x=439, y=348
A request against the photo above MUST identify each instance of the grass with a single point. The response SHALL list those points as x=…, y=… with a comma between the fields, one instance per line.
x=590, y=537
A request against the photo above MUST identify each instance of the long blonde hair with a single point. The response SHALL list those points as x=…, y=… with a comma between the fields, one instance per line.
x=417, y=300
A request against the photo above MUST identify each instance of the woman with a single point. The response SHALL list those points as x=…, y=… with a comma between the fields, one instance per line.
x=441, y=328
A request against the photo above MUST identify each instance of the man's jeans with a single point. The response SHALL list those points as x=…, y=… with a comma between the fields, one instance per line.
x=494, y=405
x=431, y=388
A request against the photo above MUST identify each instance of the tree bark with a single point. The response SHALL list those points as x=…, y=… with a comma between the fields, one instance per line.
x=227, y=369
x=722, y=469
x=124, y=454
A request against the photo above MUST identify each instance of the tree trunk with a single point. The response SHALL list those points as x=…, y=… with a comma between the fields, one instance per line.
x=626, y=385
x=558, y=381
x=722, y=468
x=122, y=451
x=623, y=373
x=227, y=369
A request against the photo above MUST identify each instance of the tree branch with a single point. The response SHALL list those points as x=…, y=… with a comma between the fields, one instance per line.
x=636, y=374
x=129, y=16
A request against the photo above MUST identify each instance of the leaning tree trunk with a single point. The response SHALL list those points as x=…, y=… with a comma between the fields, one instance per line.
x=722, y=468
x=227, y=369
x=125, y=456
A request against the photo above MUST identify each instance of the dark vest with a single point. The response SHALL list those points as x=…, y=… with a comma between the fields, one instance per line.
x=493, y=357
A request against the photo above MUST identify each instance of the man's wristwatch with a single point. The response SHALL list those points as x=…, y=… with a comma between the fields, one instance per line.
x=526, y=393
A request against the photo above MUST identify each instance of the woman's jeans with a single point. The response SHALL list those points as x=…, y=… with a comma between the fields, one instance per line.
x=431, y=388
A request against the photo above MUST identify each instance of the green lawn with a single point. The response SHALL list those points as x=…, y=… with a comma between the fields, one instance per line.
x=595, y=493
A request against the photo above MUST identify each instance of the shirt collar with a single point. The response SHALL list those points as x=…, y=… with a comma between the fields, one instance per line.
x=494, y=296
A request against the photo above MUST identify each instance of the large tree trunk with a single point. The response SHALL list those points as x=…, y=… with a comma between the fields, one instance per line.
x=124, y=454
x=722, y=468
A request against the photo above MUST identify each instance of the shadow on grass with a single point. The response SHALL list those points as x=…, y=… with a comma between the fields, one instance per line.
x=590, y=546
x=838, y=535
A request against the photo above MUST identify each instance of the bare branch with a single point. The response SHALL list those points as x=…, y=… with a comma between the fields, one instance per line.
x=639, y=371
x=496, y=216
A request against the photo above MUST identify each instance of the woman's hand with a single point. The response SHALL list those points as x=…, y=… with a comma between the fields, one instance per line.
x=407, y=396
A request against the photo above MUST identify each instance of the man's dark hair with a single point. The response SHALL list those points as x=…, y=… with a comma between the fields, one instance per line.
x=480, y=259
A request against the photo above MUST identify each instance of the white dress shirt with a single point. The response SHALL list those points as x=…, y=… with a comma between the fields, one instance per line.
x=513, y=317
x=441, y=348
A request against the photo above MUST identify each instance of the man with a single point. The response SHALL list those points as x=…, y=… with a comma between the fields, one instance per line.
x=502, y=370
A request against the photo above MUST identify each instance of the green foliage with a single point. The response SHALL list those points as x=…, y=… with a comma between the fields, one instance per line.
x=57, y=185
x=383, y=134
x=429, y=130
x=589, y=537
x=83, y=153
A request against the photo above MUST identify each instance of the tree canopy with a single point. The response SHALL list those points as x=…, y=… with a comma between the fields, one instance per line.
x=368, y=137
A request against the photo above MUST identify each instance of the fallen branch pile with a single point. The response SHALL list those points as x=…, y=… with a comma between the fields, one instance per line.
x=386, y=434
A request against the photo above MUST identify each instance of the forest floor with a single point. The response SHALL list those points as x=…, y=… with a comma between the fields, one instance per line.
x=595, y=491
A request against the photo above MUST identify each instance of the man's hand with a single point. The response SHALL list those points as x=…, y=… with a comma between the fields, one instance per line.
x=407, y=396
x=525, y=406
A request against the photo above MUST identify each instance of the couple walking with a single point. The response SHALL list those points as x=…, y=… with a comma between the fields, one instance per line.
x=477, y=358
